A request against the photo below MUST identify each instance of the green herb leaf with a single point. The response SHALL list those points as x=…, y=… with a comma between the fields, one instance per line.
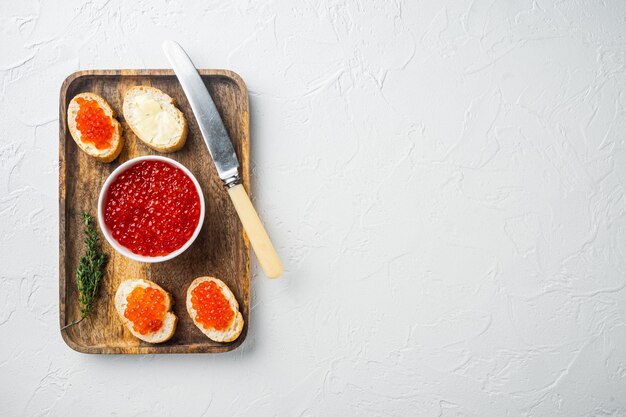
x=90, y=269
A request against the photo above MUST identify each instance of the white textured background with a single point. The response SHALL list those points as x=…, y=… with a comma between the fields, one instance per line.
x=444, y=180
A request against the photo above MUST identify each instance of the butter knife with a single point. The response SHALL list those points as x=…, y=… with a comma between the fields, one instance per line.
x=223, y=154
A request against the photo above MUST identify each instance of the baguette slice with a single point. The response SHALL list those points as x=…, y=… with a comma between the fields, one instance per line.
x=234, y=330
x=169, y=319
x=117, y=142
x=155, y=120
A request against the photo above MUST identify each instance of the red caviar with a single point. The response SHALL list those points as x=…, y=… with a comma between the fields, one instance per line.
x=212, y=308
x=145, y=308
x=152, y=208
x=94, y=125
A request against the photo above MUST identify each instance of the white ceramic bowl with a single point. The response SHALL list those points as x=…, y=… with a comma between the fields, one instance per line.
x=107, y=233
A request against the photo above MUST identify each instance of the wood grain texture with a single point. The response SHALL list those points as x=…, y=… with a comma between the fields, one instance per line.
x=221, y=249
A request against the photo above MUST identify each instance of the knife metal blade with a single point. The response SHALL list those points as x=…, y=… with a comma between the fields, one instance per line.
x=209, y=119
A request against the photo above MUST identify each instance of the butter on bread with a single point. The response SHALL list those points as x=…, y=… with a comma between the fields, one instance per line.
x=117, y=141
x=169, y=319
x=154, y=118
x=236, y=326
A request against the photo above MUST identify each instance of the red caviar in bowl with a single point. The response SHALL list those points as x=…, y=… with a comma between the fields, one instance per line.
x=145, y=308
x=152, y=208
x=94, y=125
x=212, y=309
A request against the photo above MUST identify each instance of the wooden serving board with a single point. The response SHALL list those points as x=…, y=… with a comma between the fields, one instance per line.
x=221, y=249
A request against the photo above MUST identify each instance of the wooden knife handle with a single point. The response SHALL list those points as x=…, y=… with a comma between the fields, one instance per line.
x=261, y=243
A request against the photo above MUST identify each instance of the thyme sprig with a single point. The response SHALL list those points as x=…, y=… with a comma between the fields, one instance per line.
x=90, y=269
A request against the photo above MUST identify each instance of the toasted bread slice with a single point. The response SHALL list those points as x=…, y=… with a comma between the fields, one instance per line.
x=236, y=326
x=169, y=319
x=154, y=118
x=117, y=141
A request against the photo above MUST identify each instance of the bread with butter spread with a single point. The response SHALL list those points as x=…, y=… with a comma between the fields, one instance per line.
x=154, y=118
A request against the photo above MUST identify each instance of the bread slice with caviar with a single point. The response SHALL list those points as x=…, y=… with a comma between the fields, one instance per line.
x=93, y=127
x=154, y=118
x=214, y=309
x=145, y=309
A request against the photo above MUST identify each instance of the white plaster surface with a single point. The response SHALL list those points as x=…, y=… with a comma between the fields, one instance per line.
x=444, y=180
